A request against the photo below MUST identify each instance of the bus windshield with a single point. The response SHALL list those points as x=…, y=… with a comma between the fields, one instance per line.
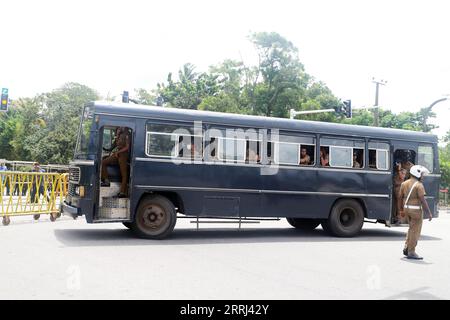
x=84, y=134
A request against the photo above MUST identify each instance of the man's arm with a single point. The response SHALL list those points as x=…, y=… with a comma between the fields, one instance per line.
x=421, y=194
x=124, y=149
x=400, y=207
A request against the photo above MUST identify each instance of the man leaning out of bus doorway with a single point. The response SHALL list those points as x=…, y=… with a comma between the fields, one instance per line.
x=412, y=202
x=119, y=156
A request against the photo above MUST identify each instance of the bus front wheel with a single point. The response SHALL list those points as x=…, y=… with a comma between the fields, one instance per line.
x=155, y=218
x=346, y=219
x=303, y=224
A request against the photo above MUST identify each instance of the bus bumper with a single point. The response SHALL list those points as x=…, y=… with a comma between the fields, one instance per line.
x=70, y=211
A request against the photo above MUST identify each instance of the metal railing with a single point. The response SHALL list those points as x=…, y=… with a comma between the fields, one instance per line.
x=31, y=193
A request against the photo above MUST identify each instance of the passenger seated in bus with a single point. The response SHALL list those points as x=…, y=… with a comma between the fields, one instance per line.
x=119, y=156
x=252, y=156
x=324, y=159
x=305, y=159
x=356, y=164
x=195, y=152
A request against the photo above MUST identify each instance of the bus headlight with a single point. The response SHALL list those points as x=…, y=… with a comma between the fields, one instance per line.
x=80, y=191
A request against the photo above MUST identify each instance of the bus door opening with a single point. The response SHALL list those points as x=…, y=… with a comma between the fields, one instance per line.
x=114, y=179
x=404, y=159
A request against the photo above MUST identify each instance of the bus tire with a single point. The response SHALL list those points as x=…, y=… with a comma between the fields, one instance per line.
x=303, y=224
x=6, y=221
x=127, y=224
x=155, y=218
x=36, y=216
x=346, y=219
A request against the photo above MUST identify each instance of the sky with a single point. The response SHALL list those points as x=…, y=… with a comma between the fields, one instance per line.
x=114, y=46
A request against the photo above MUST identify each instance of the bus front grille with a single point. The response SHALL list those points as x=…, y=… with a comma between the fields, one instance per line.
x=71, y=189
x=74, y=174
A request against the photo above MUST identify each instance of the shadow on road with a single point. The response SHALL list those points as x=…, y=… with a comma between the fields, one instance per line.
x=124, y=237
x=420, y=262
x=416, y=294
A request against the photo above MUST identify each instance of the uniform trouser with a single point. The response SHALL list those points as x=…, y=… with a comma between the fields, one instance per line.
x=122, y=160
x=415, y=218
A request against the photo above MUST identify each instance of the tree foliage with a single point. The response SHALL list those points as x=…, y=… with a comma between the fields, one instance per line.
x=44, y=128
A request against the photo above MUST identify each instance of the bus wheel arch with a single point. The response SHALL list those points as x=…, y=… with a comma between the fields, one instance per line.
x=346, y=217
x=155, y=217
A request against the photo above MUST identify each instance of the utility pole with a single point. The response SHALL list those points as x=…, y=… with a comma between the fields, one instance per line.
x=376, y=111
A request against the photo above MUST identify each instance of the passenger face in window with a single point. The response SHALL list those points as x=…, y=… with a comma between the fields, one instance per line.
x=252, y=156
x=356, y=164
x=324, y=157
x=304, y=157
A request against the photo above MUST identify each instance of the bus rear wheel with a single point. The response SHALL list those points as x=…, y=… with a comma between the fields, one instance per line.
x=303, y=224
x=155, y=218
x=346, y=219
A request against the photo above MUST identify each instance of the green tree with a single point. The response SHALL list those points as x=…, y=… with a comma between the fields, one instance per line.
x=282, y=75
x=63, y=108
x=189, y=90
x=145, y=97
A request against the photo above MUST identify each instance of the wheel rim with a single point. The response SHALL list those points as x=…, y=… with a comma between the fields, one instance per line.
x=347, y=217
x=153, y=217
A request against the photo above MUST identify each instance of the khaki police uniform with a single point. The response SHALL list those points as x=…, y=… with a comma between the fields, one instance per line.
x=413, y=211
x=397, y=185
x=122, y=160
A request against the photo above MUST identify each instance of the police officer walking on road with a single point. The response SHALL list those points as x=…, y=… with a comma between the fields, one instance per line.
x=412, y=203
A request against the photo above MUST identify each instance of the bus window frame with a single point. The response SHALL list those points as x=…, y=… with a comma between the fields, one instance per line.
x=288, y=134
x=432, y=155
x=329, y=156
x=192, y=136
x=220, y=144
x=307, y=165
x=363, y=158
x=147, y=149
x=276, y=156
x=388, y=151
x=386, y=159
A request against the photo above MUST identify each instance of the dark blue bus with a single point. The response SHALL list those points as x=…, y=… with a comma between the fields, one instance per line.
x=199, y=164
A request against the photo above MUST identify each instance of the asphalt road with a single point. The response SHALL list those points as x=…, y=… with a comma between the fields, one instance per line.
x=70, y=259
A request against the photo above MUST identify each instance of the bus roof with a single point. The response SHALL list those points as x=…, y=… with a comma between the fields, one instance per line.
x=221, y=118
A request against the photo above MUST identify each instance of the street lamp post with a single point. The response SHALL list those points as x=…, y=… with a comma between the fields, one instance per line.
x=447, y=97
x=377, y=90
x=437, y=101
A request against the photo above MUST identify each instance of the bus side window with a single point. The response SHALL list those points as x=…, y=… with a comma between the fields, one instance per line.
x=373, y=159
x=425, y=157
x=270, y=152
x=358, y=158
x=325, y=156
x=190, y=147
x=342, y=153
x=307, y=153
x=231, y=149
x=253, y=152
x=379, y=158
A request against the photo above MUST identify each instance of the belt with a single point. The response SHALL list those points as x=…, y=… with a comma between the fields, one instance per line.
x=413, y=207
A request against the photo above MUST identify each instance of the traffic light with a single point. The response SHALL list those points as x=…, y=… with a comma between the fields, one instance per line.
x=347, y=108
x=125, y=97
x=4, y=100
x=338, y=109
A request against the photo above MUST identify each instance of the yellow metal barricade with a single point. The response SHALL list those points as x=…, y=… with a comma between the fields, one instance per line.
x=31, y=193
